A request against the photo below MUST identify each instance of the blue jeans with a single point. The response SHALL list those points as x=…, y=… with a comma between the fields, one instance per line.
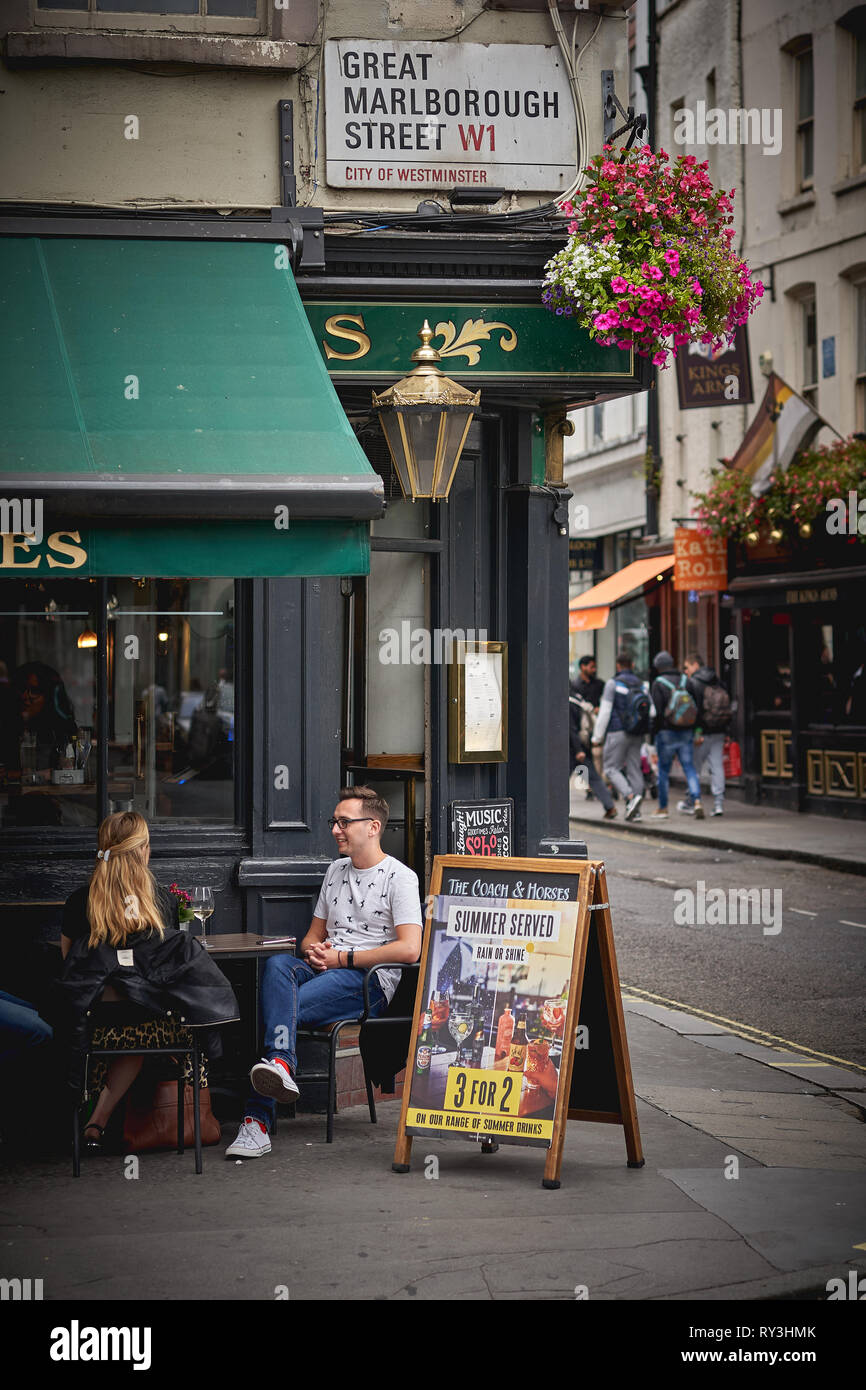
x=20, y=1027
x=670, y=744
x=295, y=995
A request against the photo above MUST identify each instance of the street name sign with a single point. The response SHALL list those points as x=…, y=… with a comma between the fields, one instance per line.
x=448, y=115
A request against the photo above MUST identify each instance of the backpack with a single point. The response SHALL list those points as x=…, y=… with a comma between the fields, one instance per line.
x=716, y=712
x=634, y=711
x=587, y=717
x=681, y=712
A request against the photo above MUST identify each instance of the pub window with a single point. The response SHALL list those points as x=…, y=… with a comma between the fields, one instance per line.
x=48, y=716
x=163, y=653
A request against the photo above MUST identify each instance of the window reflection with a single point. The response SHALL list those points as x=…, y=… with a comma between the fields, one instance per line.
x=171, y=699
x=47, y=704
x=170, y=675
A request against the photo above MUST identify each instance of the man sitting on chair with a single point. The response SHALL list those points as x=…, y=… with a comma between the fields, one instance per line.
x=369, y=910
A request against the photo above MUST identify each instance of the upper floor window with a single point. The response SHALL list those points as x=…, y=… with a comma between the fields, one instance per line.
x=202, y=16
x=855, y=23
x=860, y=360
x=809, y=340
x=804, y=87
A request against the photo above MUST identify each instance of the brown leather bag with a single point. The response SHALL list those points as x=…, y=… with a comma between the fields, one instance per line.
x=153, y=1124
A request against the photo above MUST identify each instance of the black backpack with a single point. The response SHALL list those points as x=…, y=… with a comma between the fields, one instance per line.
x=634, y=713
x=716, y=709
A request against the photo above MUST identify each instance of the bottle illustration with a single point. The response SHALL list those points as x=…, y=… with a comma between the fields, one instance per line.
x=517, y=1050
x=478, y=1045
x=425, y=1047
x=504, y=1032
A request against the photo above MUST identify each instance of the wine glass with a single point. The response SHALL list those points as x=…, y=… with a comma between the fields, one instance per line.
x=202, y=906
x=460, y=1020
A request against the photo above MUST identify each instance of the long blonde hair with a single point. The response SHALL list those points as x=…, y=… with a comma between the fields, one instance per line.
x=122, y=893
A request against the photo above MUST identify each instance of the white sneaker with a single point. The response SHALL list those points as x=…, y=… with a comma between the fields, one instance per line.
x=253, y=1140
x=633, y=806
x=270, y=1079
x=717, y=810
x=687, y=807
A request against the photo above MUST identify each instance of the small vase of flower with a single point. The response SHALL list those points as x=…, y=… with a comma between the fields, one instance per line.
x=185, y=914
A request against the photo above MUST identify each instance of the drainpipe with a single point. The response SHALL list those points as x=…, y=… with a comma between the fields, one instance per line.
x=653, y=429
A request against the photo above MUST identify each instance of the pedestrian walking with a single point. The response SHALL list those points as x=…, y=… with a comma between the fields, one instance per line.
x=622, y=723
x=711, y=729
x=588, y=685
x=675, y=716
x=580, y=723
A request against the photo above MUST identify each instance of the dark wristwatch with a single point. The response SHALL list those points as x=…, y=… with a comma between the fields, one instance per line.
x=350, y=956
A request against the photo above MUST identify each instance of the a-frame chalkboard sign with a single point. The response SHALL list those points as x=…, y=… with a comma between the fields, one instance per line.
x=518, y=1021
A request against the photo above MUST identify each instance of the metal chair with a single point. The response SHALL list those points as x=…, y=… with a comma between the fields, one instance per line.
x=394, y=1016
x=175, y=1051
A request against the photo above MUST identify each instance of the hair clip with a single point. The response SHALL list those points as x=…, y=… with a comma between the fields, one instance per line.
x=103, y=853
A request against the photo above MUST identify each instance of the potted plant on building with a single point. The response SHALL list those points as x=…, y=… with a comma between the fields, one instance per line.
x=813, y=495
x=649, y=265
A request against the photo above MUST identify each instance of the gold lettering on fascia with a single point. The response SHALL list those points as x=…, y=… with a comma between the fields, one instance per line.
x=17, y=551
x=456, y=343
x=348, y=335
x=811, y=595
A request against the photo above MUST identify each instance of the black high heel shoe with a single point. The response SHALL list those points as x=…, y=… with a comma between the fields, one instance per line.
x=94, y=1146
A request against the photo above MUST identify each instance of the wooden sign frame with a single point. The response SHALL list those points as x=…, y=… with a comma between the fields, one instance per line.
x=457, y=702
x=599, y=1086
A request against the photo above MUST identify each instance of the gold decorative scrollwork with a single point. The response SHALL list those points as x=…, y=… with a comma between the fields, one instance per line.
x=465, y=343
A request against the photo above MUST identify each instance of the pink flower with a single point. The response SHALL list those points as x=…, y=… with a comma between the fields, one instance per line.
x=619, y=285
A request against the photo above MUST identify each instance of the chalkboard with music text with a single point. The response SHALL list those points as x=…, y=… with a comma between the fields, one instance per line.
x=482, y=827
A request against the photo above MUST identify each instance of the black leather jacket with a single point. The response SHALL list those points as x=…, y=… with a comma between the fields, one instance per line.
x=173, y=977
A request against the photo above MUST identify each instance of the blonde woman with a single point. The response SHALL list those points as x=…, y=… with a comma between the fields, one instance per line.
x=121, y=946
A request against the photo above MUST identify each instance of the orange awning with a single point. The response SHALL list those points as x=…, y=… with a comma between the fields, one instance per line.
x=592, y=609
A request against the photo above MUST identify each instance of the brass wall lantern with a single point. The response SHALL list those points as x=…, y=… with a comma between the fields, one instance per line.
x=425, y=419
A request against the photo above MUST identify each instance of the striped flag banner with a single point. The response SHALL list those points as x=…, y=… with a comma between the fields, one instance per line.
x=784, y=424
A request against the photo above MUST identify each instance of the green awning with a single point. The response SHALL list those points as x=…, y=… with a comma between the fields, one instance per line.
x=172, y=393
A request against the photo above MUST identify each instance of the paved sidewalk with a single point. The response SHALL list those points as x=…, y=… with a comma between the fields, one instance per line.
x=828, y=841
x=754, y=1188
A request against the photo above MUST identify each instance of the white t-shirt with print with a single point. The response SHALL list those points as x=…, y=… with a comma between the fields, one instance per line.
x=362, y=907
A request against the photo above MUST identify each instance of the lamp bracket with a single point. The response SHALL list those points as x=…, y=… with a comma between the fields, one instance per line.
x=635, y=125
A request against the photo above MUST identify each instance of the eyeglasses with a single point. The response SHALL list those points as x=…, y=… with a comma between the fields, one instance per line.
x=343, y=821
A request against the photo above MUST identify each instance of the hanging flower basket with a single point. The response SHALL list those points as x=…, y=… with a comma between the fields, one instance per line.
x=649, y=263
